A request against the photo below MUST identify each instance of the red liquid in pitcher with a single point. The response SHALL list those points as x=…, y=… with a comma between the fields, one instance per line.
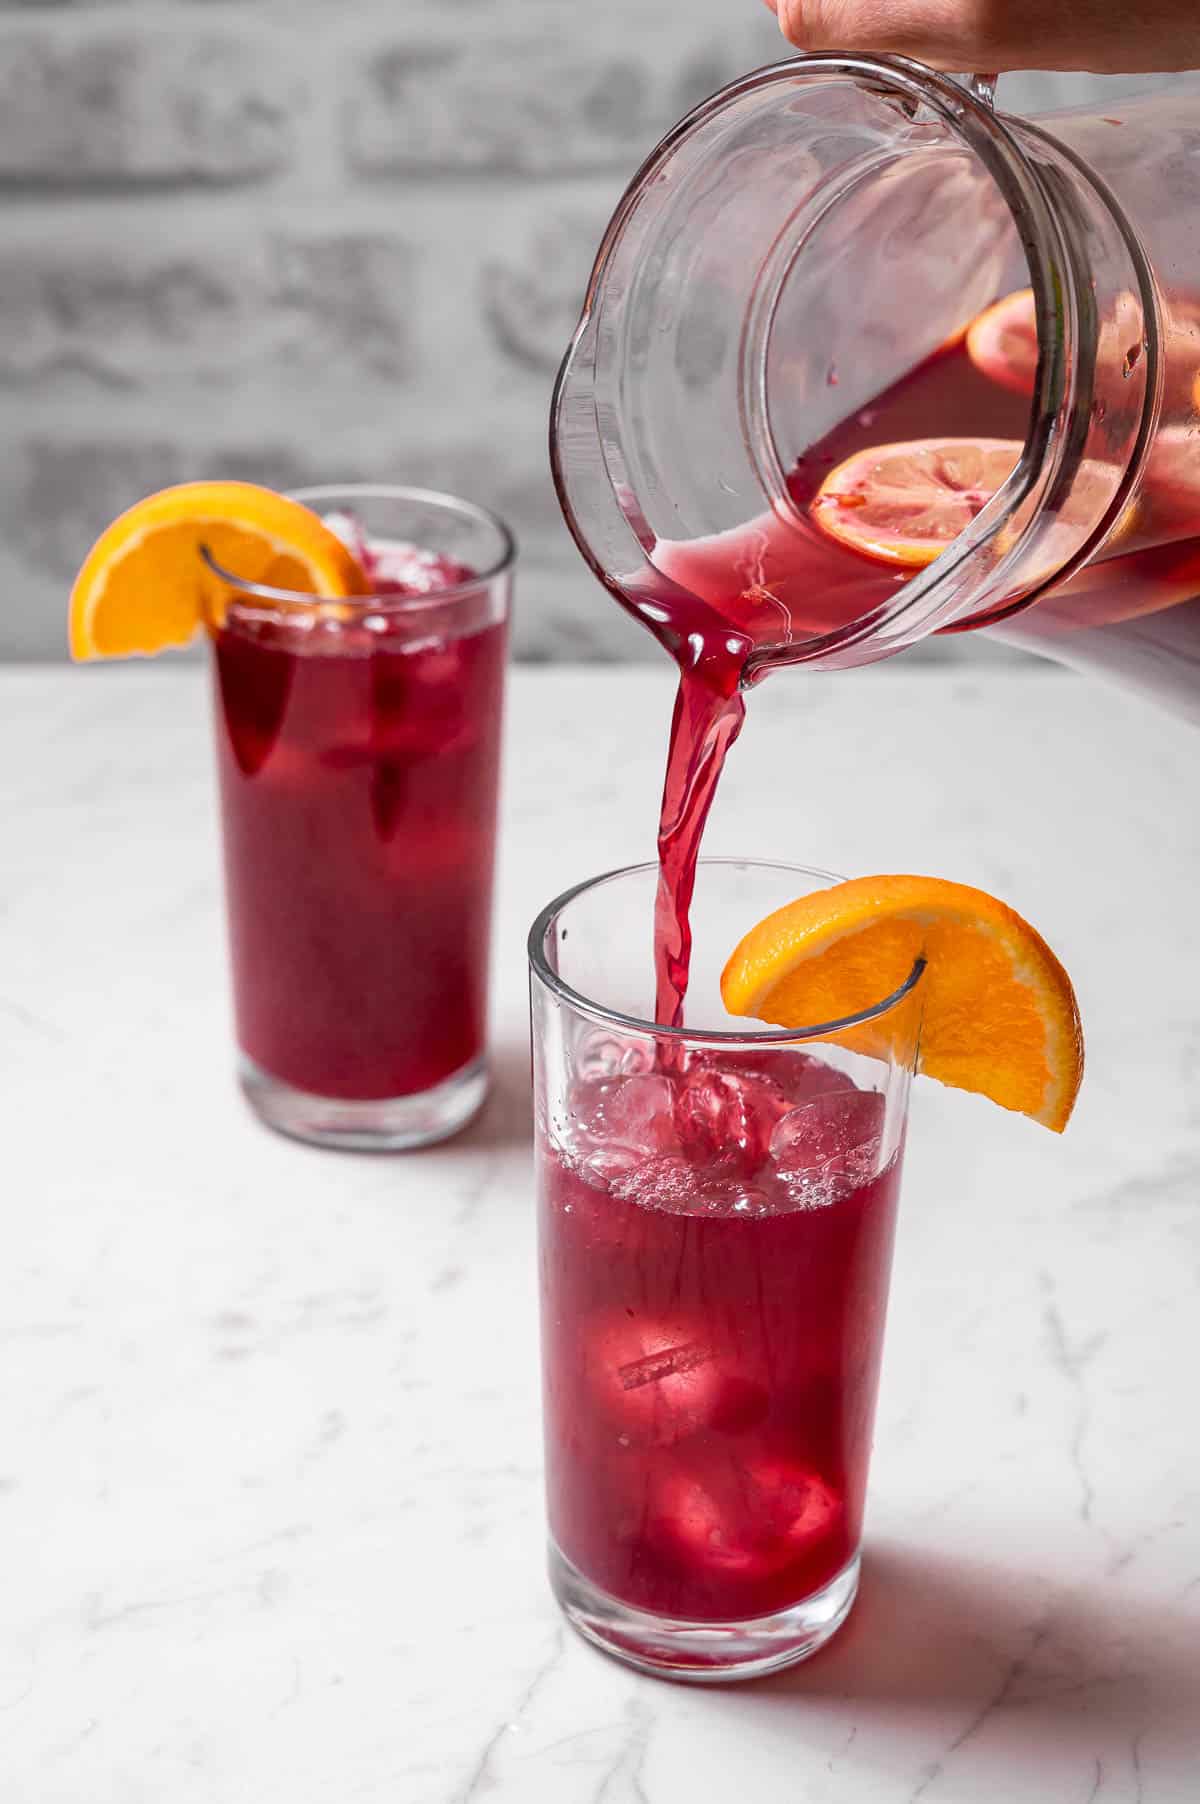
x=713, y=601
x=358, y=769
x=714, y=1263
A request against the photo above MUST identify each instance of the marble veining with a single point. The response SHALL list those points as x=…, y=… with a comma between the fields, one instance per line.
x=270, y=1510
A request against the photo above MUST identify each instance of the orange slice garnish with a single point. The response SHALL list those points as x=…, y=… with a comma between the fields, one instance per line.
x=1002, y=342
x=144, y=585
x=999, y=1013
x=903, y=504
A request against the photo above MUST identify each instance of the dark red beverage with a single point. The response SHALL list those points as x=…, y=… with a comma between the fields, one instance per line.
x=716, y=1244
x=358, y=762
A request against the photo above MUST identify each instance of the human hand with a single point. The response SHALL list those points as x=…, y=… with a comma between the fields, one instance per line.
x=1099, y=35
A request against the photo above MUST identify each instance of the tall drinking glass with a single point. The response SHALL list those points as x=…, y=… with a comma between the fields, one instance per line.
x=358, y=745
x=717, y=1208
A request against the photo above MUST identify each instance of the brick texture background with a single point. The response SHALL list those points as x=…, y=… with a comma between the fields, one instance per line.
x=297, y=242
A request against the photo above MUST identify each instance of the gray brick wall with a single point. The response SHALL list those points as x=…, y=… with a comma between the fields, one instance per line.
x=299, y=242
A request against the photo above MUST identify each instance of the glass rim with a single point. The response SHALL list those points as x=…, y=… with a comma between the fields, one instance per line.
x=597, y=1011
x=300, y=599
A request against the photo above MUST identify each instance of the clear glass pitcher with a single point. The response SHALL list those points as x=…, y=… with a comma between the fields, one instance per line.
x=841, y=256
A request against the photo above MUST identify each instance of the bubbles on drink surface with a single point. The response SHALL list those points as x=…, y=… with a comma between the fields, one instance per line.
x=837, y=1135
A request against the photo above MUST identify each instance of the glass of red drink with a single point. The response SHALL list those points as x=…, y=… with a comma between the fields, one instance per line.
x=358, y=746
x=717, y=1209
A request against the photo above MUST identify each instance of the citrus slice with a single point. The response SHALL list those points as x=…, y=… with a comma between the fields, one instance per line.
x=1181, y=384
x=999, y=1013
x=1172, y=481
x=1002, y=342
x=903, y=504
x=144, y=585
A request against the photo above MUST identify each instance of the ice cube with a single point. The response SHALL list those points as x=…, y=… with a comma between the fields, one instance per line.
x=437, y=673
x=657, y=1378
x=725, y=1115
x=751, y=1518
x=601, y=1054
x=858, y=1164
x=610, y=1164
x=352, y=534
x=632, y=1113
x=793, y=1075
x=669, y=1362
x=715, y=1120
x=396, y=568
x=638, y=1111
x=836, y=1135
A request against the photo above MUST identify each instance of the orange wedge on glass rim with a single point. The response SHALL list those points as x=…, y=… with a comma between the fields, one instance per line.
x=999, y=1014
x=144, y=585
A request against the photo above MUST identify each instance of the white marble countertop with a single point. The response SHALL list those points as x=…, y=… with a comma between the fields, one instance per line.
x=270, y=1511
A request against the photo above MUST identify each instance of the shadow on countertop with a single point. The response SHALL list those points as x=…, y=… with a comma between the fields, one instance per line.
x=1051, y=1672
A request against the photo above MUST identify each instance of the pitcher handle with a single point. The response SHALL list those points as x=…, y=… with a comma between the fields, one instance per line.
x=982, y=86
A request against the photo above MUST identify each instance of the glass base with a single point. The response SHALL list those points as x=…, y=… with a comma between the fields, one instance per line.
x=389, y=1125
x=704, y=1653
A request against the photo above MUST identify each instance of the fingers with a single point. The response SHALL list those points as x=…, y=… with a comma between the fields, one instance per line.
x=1002, y=34
x=935, y=31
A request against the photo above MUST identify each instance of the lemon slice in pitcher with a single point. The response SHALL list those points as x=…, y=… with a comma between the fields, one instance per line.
x=903, y=504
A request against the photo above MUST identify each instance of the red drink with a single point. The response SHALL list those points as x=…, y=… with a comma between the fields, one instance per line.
x=358, y=761
x=716, y=1247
